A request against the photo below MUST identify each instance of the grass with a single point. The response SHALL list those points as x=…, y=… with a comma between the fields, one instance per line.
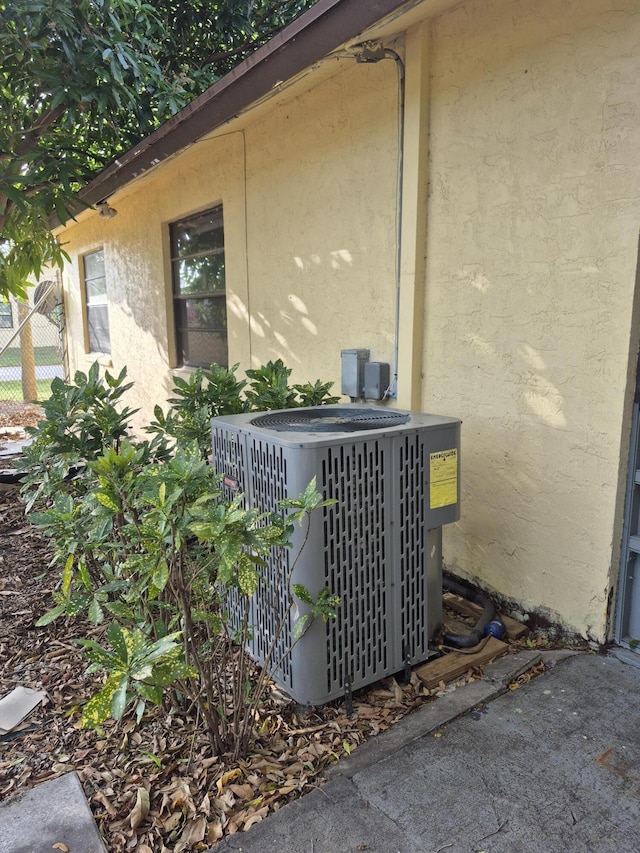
x=42, y=355
x=12, y=390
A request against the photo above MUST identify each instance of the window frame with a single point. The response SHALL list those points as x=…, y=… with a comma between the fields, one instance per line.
x=185, y=301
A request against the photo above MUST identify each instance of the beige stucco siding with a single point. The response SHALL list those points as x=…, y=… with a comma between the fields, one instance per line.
x=523, y=190
x=309, y=194
x=534, y=215
x=137, y=263
x=322, y=180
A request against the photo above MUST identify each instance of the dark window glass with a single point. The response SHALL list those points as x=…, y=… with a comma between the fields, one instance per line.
x=6, y=316
x=203, y=274
x=95, y=284
x=199, y=299
x=201, y=233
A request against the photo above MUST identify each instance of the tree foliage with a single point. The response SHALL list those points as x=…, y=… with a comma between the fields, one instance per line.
x=83, y=80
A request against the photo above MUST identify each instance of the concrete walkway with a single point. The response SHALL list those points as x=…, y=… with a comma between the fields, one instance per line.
x=43, y=371
x=551, y=767
x=54, y=813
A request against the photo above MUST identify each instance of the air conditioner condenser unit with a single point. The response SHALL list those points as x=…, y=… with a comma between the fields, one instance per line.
x=395, y=477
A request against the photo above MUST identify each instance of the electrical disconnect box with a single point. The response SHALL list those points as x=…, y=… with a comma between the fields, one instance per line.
x=353, y=363
x=376, y=380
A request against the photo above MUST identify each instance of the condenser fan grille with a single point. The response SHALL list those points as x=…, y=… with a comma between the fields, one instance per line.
x=329, y=420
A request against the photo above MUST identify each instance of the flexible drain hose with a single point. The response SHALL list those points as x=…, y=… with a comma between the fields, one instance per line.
x=467, y=641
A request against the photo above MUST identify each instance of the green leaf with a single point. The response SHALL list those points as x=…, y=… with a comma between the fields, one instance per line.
x=156, y=760
x=160, y=576
x=248, y=578
x=166, y=673
x=120, y=609
x=303, y=594
x=51, y=615
x=107, y=500
x=142, y=672
x=98, y=708
x=96, y=614
x=140, y=706
x=118, y=641
x=119, y=698
x=135, y=641
x=67, y=576
x=162, y=647
x=150, y=692
x=77, y=603
x=300, y=625
x=85, y=577
x=99, y=656
x=325, y=604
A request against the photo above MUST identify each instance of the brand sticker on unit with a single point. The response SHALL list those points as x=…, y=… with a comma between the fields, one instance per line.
x=443, y=478
x=231, y=483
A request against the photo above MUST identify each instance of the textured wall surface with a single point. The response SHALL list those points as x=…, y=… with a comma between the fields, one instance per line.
x=534, y=214
x=532, y=229
x=310, y=257
x=137, y=267
x=322, y=181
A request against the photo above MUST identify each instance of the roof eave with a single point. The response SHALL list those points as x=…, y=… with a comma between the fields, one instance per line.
x=320, y=30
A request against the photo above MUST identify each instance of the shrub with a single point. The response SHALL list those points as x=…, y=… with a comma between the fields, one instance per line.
x=148, y=546
x=217, y=391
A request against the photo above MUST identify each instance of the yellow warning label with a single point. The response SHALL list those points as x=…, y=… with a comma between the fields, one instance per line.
x=443, y=478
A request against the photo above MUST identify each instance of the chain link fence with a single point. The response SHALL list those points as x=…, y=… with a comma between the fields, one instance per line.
x=31, y=346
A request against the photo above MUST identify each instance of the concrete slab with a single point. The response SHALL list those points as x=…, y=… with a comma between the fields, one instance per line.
x=332, y=819
x=551, y=767
x=54, y=812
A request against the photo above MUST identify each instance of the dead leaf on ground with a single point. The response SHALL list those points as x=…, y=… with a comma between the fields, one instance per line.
x=214, y=831
x=193, y=832
x=141, y=808
x=255, y=818
x=192, y=794
x=229, y=776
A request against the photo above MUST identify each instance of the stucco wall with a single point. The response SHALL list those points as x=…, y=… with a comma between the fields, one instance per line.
x=137, y=263
x=309, y=198
x=532, y=227
x=322, y=182
x=534, y=215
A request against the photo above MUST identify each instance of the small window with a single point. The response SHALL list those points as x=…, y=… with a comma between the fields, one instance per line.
x=199, y=297
x=95, y=285
x=6, y=316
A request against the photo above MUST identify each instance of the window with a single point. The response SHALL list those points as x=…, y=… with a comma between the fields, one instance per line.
x=6, y=316
x=95, y=284
x=199, y=299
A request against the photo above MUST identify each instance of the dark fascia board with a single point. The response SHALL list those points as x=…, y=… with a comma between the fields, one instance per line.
x=317, y=32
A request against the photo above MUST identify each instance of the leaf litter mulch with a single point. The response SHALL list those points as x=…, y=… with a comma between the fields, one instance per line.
x=156, y=787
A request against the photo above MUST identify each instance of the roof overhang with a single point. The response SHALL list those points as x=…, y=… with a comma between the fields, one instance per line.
x=316, y=33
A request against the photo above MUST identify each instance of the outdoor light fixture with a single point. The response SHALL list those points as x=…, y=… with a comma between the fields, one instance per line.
x=105, y=210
